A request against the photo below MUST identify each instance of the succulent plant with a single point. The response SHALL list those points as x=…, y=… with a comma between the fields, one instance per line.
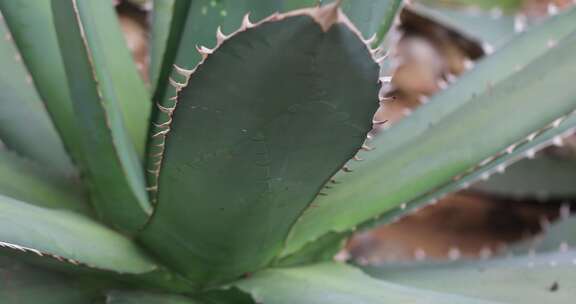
x=237, y=174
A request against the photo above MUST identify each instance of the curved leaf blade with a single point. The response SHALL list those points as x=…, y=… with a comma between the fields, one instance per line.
x=543, y=278
x=168, y=20
x=543, y=178
x=114, y=172
x=32, y=25
x=25, y=126
x=255, y=151
x=24, y=284
x=68, y=236
x=336, y=284
x=29, y=182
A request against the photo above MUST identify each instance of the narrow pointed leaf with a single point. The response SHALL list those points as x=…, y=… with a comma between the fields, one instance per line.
x=260, y=128
x=114, y=66
x=497, y=166
x=113, y=168
x=542, y=178
x=168, y=20
x=542, y=278
x=336, y=284
x=433, y=148
x=24, y=284
x=68, y=237
x=32, y=27
x=482, y=27
x=25, y=126
x=30, y=182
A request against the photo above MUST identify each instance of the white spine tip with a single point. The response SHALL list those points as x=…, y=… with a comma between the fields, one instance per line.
x=370, y=40
x=519, y=23
x=385, y=79
x=442, y=85
x=177, y=85
x=552, y=9
x=558, y=141
x=419, y=254
x=488, y=48
x=468, y=64
x=454, y=254
x=246, y=23
x=220, y=37
x=184, y=72
x=204, y=51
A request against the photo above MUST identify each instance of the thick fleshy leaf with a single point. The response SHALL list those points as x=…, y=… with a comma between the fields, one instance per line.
x=24, y=284
x=68, y=237
x=542, y=278
x=114, y=173
x=30, y=182
x=542, y=178
x=433, y=148
x=114, y=66
x=483, y=27
x=25, y=125
x=168, y=20
x=32, y=27
x=262, y=125
x=335, y=284
x=204, y=18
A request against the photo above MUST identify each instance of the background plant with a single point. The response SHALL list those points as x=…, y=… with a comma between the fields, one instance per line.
x=255, y=162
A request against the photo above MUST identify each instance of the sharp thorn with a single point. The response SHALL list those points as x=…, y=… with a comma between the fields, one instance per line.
x=220, y=37
x=184, y=72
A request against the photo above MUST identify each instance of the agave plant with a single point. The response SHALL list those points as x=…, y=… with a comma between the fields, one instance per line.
x=239, y=172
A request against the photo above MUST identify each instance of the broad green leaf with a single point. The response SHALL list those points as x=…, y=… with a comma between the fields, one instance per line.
x=429, y=149
x=168, y=20
x=69, y=237
x=24, y=284
x=262, y=125
x=203, y=19
x=30, y=182
x=543, y=178
x=371, y=17
x=482, y=27
x=542, y=278
x=114, y=173
x=25, y=126
x=335, y=284
x=33, y=31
